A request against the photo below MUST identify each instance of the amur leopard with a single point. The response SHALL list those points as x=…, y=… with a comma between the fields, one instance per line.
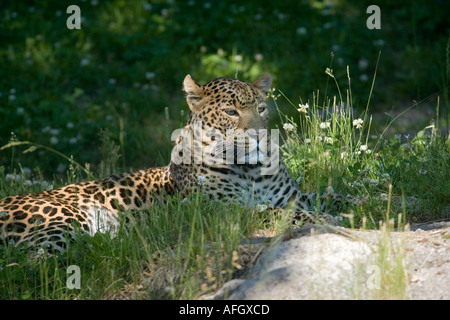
x=224, y=150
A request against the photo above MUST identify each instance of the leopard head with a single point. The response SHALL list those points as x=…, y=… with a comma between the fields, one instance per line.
x=228, y=104
x=228, y=118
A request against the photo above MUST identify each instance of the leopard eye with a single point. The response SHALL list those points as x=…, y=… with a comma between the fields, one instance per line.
x=262, y=109
x=231, y=112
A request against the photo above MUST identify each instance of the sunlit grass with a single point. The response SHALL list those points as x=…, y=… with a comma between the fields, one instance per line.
x=328, y=147
x=181, y=249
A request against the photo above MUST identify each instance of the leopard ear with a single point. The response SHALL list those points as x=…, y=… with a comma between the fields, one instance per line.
x=263, y=83
x=194, y=93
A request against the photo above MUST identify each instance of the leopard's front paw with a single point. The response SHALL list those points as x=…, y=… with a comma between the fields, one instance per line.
x=304, y=217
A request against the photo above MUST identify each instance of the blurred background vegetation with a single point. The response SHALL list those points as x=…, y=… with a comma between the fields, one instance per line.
x=117, y=80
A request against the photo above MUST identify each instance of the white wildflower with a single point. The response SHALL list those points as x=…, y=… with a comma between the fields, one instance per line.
x=164, y=13
x=147, y=6
x=363, y=147
x=44, y=184
x=54, y=132
x=53, y=140
x=384, y=197
x=261, y=207
x=334, y=47
x=47, y=186
x=358, y=123
x=363, y=64
x=281, y=16
x=378, y=43
x=288, y=127
x=303, y=108
x=259, y=57
x=301, y=31
x=84, y=62
x=344, y=155
x=149, y=75
x=324, y=125
x=329, y=140
x=73, y=140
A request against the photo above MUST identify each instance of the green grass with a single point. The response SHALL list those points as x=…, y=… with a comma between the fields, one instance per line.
x=104, y=99
x=328, y=146
x=181, y=250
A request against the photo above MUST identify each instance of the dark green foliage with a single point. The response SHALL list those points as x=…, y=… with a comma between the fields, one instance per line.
x=60, y=87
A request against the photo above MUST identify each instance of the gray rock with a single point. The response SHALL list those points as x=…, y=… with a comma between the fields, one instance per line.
x=336, y=263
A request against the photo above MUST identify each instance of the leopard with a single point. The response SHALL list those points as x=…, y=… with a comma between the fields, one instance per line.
x=208, y=156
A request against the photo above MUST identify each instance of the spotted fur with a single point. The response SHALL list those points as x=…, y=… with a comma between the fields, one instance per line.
x=49, y=218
